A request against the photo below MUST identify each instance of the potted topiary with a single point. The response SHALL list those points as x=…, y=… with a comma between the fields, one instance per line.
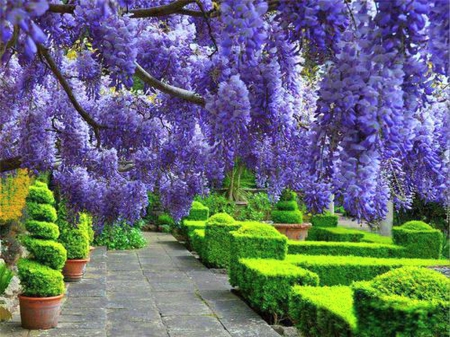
x=288, y=219
x=40, y=273
x=76, y=241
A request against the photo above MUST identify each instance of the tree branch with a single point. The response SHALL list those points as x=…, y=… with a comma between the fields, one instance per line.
x=171, y=8
x=9, y=164
x=61, y=8
x=66, y=86
x=167, y=88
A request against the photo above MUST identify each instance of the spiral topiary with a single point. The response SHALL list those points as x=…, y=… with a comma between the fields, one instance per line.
x=40, y=273
x=287, y=211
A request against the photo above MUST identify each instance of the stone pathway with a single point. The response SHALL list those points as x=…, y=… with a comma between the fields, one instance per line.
x=159, y=291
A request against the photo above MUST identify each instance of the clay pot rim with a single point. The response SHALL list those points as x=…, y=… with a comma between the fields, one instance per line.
x=35, y=298
x=79, y=260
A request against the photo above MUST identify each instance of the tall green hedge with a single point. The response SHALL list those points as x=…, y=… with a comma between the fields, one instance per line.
x=404, y=302
x=324, y=220
x=218, y=240
x=323, y=311
x=345, y=249
x=419, y=239
x=255, y=241
x=198, y=212
x=40, y=274
x=266, y=283
x=343, y=270
x=336, y=234
x=197, y=239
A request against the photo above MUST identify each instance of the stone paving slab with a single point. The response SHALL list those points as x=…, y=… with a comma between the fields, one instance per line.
x=161, y=290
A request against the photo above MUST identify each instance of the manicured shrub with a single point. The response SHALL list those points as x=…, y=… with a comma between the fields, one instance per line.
x=345, y=248
x=41, y=277
x=289, y=205
x=419, y=239
x=343, y=270
x=336, y=234
x=404, y=302
x=120, y=236
x=39, y=280
x=47, y=252
x=191, y=225
x=323, y=311
x=85, y=224
x=324, y=220
x=42, y=230
x=256, y=241
x=5, y=277
x=217, y=239
x=197, y=239
x=198, y=211
x=376, y=238
x=266, y=283
x=293, y=217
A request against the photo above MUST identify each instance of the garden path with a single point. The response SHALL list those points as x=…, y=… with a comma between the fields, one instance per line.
x=161, y=290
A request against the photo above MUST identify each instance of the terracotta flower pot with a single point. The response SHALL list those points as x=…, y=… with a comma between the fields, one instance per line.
x=74, y=269
x=294, y=231
x=40, y=312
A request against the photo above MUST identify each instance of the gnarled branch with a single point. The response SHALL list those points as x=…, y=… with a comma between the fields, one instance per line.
x=167, y=88
x=172, y=8
x=9, y=164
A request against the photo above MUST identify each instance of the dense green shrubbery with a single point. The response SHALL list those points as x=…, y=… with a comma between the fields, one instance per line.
x=343, y=270
x=419, y=239
x=324, y=220
x=217, y=203
x=120, y=236
x=266, y=283
x=258, y=208
x=5, y=277
x=323, y=311
x=345, y=248
x=85, y=224
x=197, y=239
x=165, y=219
x=334, y=234
x=404, y=302
x=37, y=277
x=286, y=210
x=217, y=239
x=191, y=225
x=255, y=241
x=198, y=212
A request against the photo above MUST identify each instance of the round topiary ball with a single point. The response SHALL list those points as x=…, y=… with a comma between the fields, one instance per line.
x=413, y=282
x=220, y=219
x=416, y=226
x=258, y=229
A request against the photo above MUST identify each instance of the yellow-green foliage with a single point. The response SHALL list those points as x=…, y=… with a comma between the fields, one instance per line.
x=323, y=311
x=197, y=238
x=198, y=211
x=13, y=191
x=343, y=270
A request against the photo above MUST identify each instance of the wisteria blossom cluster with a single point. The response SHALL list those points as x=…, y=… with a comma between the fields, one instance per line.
x=328, y=97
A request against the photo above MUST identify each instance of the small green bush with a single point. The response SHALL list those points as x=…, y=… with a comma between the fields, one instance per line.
x=266, y=283
x=255, y=241
x=217, y=240
x=5, y=277
x=404, y=302
x=85, y=224
x=41, y=212
x=217, y=203
x=120, y=236
x=288, y=195
x=335, y=234
x=288, y=217
x=190, y=225
x=198, y=211
x=258, y=208
x=290, y=205
x=42, y=230
x=343, y=270
x=165, y=219
x=197, y=239
x=345, y=249
x=324, y=220
x=39, y=280
x=76, y=242
x=40, y=195
x=47, y=252
x=425, y=243
x=323, y=311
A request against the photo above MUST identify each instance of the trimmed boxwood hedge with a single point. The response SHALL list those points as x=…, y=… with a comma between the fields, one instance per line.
x=323, y=311
x=197, y=239
x=218, y=240
x=343, y=270
x=404, y=302
x=420, y=239
x=336, y=234
x=48, y=252
x=266, y=283
x=39, y=280
x=42, y=229
x=198, y=211
x=191, y=225
x=288, y=217
x=255, y=241
x=345, y=248
x=324, y=220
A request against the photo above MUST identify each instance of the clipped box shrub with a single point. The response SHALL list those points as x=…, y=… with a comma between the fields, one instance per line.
x=39, y=280
x=42, y=230
x=420, y=239
x=323, y=311
x=345, y=249
x=286, y=210
x=324, y=220
x=48, y=252
x=197, y=239
x=198, y=212
x=218, y=240
x=85, y=224
x=41, y=212
x=256, y=240
x=266, y=283
x=343, y=270
x=337, y=234
x=408, y=301
x=191, y=225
